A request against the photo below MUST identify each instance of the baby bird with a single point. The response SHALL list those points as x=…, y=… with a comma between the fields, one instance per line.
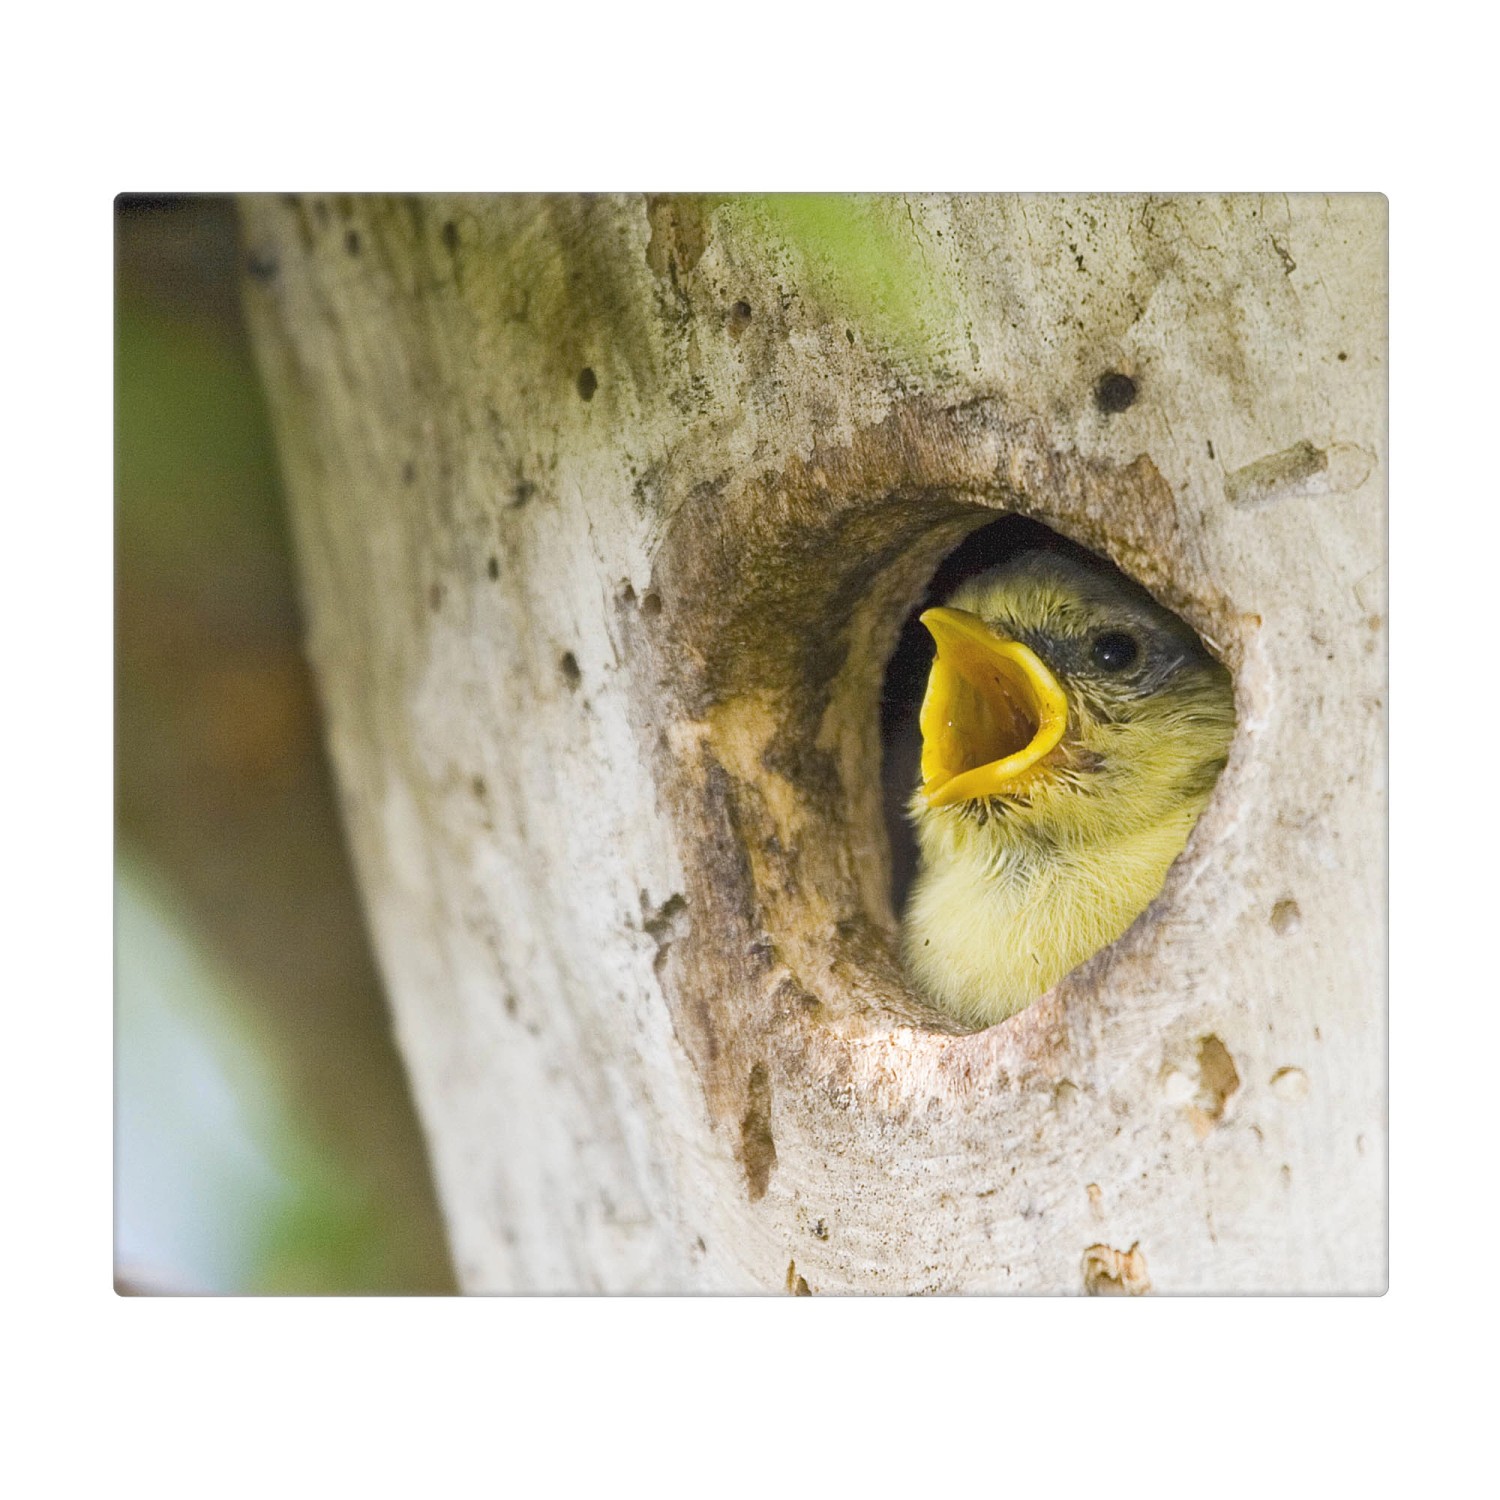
x=1072, y=731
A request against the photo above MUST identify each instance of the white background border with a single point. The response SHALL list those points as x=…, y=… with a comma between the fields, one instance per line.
x=564, y=1397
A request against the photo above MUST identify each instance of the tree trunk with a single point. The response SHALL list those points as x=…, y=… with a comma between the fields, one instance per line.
x=609, y=512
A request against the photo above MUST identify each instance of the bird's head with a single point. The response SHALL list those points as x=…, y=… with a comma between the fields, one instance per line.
x=1065, y=704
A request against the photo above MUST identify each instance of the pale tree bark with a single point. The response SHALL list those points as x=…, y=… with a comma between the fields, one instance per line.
x=609, y=511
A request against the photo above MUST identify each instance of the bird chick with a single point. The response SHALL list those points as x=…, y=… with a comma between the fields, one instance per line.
x=1072, y=731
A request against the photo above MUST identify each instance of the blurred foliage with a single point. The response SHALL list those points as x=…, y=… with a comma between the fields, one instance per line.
x=266, y=1137
x=220, y=1185
x=864, y=255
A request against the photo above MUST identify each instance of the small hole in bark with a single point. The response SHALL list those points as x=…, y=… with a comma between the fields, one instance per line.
x=493, y=567
x=351, y=242
x=757, y=1144
x=569, y=664
x=1286, y=917
x=450, y=236
x=1114, y=392
x=1108, y=1272
x=588, y=383
x=651, y=604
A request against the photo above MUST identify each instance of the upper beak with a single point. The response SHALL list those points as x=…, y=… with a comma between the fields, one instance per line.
x=992, y=710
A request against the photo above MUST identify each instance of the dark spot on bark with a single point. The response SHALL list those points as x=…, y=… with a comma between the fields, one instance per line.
x=262, y=267
x=588, y=383
x=450, y=235
x=1114, y=392
x=789, y=755
x=435, y=596
x=703, y=1018
x=849, y=334
x=480, y=788
x=658, y=922
x=512, y=1007
x=1342, y=356
x=627, y=592
x=523, y=492
x=679, y=233
x=651, y=604
x=571, y=674
x=1210, y=449
x=1286, y=917
x=351, y=242
x=757, y=1145
x=1218, y=1077
x=493, y=567
x=408, y=472
x=663, y=924
x=820, y=1230
x=1108, y=1272
x=739, y=318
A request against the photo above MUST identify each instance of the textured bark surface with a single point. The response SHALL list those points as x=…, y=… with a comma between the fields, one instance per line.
x=609, y=513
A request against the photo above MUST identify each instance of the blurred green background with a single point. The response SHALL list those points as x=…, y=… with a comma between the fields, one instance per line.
x=264, y=1136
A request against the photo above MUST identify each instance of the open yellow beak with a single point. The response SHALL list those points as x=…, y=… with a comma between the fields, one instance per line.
x=992, y=710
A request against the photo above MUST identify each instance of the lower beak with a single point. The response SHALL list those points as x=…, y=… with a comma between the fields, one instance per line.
x=992, y=710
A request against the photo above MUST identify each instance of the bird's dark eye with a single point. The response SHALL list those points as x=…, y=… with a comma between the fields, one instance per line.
x=1115, y=650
